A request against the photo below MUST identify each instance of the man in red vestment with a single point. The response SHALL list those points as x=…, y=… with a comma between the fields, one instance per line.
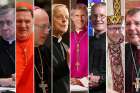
x=24, y=48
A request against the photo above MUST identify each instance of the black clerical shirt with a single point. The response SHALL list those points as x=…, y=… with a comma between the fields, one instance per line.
x=97, y=61
x=7, y=58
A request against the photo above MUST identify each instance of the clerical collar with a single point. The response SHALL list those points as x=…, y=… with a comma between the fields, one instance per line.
x=59, y=38
x=82, y=30
x=138, y=47
x=97, y=35
x=9, y=41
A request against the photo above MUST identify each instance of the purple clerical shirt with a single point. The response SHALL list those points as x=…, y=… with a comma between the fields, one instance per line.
x=83, y=54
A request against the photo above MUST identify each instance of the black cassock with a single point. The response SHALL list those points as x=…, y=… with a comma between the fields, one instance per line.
x=97, y=61
x=130, y=72
x=60, y=70
x=44, y=56
x=7, y=58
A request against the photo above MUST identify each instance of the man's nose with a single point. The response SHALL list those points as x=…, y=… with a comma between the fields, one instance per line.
x=132, y=27
x=46, y=31
x=23, y=24
x=98, y=18
x=5, y=26
x=64, y=19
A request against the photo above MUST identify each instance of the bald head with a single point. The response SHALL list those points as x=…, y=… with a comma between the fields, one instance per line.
x=41, y=20
x=40, y=15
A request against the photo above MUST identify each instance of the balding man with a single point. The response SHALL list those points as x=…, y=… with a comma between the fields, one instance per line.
x=42, y=27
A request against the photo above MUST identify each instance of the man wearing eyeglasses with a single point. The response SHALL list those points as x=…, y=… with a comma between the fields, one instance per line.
x=42, y=28
x=60, y=65
x=97, y=50
x=7, y=45
x=115, y=57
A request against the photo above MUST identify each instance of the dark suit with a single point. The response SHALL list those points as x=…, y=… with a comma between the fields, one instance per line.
x=60, y=66
x=130, y=73
x=7, y=58
x=97, y=61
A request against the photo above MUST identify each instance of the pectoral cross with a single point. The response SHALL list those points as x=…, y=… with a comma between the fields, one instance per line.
x=43, y=86
x=77, y=65
x=137, y=84
x=78, y=55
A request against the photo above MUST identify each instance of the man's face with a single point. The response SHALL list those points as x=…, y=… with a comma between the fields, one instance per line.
x=98, y=18
x=114, y=33
x=79, y=18
x=23, y=25
x=133, y=28
x=7, y=25
x=60, y=20
x=41, y=26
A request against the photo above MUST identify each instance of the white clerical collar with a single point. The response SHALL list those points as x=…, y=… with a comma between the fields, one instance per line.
x=97, y=34
x=10, y=41
x=138, y=47
x=58, y=37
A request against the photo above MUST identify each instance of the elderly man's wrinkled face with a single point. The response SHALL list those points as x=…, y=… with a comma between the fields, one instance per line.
x=133, y=28
x=79, y=18
x=23, y=25
x=98, y=18
x=60, y=19
x=7, y=25
x=114, y=33
x=41, y=26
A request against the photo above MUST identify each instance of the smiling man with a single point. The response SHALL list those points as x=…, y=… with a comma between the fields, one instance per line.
x=24, y=48
x=79, y=44
x=132, y=51
x=97, y=49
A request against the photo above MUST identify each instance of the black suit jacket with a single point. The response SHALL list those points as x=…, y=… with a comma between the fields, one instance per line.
x=60, y=67
x=97, y=61
x=130, y=73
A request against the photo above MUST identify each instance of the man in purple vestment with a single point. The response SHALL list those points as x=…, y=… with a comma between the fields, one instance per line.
x=79, y=44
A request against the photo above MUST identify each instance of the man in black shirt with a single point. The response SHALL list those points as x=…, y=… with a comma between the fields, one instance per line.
x=7, y=46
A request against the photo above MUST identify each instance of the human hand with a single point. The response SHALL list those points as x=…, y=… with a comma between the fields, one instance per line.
x=75, y=81
x=93, y=80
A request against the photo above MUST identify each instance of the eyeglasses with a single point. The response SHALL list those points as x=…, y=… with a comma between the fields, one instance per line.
x=60, y=17
x=7, y=22
x=43, y=27
x=102, y=16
